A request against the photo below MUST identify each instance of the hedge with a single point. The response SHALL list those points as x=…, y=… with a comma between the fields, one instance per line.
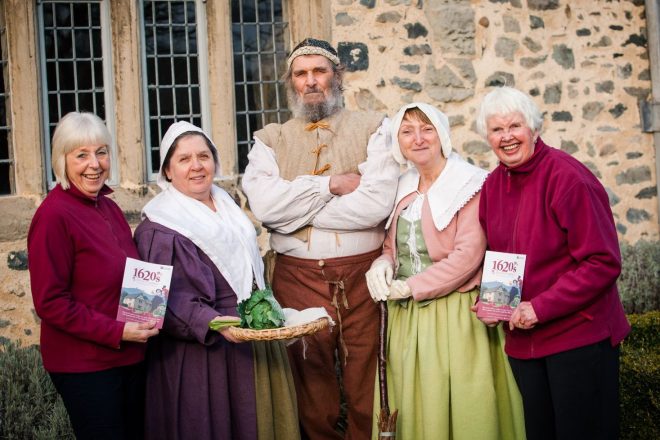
x=31, y=409
x=639, y=283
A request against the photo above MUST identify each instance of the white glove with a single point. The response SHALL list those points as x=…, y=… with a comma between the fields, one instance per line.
x=379, y=278
x=399, y=290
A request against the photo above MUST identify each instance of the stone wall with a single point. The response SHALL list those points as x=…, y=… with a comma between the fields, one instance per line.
x=585, y=63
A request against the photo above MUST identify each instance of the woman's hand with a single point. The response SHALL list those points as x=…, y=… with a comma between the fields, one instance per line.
x=139, y=331
x=225, y=330
x=523, y=317
x=399, y=290
x=379, y=278
x=490, y=322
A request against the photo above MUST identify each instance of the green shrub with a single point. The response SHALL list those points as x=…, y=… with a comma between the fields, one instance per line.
x=639, y=283
x=645, y=334
x=640, y=378
x=30, y=408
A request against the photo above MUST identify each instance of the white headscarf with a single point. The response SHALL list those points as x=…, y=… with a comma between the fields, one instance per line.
x=176, y=130
x=226, y=236
x=458, y=182
x=439, y=121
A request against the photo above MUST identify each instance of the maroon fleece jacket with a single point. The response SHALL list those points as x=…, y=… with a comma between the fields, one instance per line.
x=77, y=249
x=554, y=210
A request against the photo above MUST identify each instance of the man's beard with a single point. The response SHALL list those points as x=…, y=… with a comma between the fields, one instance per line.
x=315, y=111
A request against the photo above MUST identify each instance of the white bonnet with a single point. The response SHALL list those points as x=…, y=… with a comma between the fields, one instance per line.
x=176, y=130
x=438, y=119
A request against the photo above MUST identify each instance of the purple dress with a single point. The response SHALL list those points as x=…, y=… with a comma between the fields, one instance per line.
x=199, y=386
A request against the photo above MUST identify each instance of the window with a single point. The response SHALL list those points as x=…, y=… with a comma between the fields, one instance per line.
x=174, y=60
x=75, y=63
x=259, y=34
x=6, y=157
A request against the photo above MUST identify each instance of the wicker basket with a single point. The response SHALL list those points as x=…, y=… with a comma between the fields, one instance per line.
x=272, y=334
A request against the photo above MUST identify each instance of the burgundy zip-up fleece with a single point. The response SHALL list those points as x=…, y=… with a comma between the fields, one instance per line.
x=554, y=210
x=77, y=249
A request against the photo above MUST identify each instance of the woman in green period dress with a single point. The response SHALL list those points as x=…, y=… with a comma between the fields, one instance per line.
x=447, y=373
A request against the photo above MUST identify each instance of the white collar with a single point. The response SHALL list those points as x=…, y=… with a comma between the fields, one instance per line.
x=227, y=237
x=458, y=182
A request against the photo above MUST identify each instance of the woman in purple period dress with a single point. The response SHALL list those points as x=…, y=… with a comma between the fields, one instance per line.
x=203, y=384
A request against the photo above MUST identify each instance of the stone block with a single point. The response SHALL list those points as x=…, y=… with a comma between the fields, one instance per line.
x=417, y=49
x=613, y=198
x=506, y=48
x=563, y=55
x=355, y=56
x=416, y=30
x=17, y=260
x=536, y=22
x=569, y=147
x=16, y=216
x=647, y=193
x=634, y=175
x=476, y=147
x=531, y=62
x=562, y=116
x=454, y=27
x=412, y=68
x=407, y=84
x=366, y=100
x=343, y=19
x=641, y=93
x=635, y=216
x=638, y=40
x=593, y=168
x=368, y=3
x=542, y=5
x=511, y=24
x=625, y=71
x=617, y=110
x=499, y=79
x=552, y=94
x=532, y=45
x=592, y=109
x=605, y=87
x=389, y=17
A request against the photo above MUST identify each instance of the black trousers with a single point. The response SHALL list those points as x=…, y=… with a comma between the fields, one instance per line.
x=106, y=404
x=571, y=395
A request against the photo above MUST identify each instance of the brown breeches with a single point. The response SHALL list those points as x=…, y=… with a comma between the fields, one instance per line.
x=339, y=285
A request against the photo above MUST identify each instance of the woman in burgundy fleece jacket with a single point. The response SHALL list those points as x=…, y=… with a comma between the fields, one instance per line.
x=563, y=339
x=77, y=245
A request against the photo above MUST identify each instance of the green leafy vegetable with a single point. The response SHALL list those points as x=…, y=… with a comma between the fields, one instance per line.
x=261, y=311
x=218, y=324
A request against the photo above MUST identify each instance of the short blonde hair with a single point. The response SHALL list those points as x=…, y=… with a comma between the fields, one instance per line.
x=75, y=130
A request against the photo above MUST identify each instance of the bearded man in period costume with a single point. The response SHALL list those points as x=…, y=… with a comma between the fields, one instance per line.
x=323, y=183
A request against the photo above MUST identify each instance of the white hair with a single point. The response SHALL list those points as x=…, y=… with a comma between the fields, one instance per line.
x=506, y=100
x=76, y=130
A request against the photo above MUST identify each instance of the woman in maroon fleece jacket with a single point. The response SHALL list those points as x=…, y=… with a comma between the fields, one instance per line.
x=77, y=246
x=563, y=339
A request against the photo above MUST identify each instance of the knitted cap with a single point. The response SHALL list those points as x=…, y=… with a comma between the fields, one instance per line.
x=312, y=46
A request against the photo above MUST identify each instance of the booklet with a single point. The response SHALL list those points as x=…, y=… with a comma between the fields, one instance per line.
x=501, y=285
x=144, y=292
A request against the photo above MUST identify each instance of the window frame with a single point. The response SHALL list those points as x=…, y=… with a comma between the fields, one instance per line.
x=108, y=86
x=202, y=75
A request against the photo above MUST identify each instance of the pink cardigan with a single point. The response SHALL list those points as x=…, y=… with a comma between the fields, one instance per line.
x=457, y=251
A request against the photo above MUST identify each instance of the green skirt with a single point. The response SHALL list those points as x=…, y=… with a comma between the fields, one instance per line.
x=277, y=411
x=447, y=374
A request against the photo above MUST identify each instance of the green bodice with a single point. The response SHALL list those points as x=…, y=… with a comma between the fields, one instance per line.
x=411, y=261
